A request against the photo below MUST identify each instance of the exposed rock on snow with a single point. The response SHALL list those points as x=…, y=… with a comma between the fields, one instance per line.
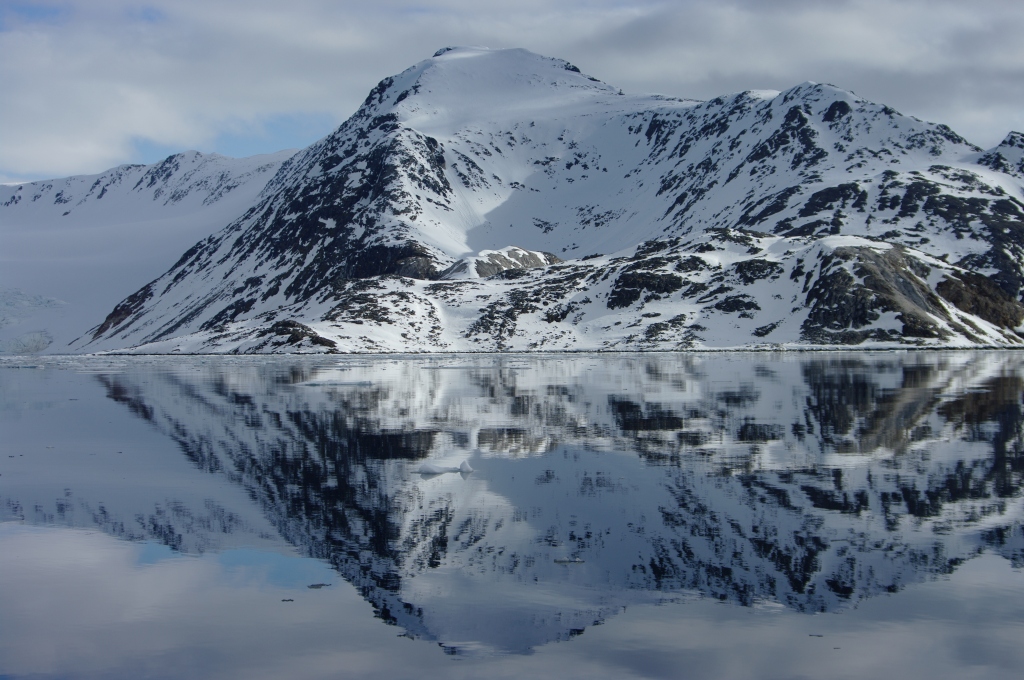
x=491, y=262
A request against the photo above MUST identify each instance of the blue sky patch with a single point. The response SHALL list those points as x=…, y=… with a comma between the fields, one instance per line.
x=19, y=13
x=283, y=571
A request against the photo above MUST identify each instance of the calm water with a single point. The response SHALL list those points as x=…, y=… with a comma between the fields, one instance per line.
x=704, y=516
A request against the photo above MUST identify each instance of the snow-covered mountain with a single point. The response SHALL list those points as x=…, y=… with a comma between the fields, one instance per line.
x=808, y=217
x=71, y=248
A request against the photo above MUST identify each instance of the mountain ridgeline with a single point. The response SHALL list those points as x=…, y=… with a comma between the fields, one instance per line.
x=497, y=200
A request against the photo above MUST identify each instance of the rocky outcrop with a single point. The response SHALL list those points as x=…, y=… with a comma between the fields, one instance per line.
x=491, y=262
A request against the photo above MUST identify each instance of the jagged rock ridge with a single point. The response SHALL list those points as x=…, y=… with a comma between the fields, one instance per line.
x=809, y=217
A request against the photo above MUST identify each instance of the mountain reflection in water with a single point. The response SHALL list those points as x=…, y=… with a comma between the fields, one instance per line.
x=813, y=481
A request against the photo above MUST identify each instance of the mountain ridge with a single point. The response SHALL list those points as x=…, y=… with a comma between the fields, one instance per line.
x=807, y=218
x=112, y=230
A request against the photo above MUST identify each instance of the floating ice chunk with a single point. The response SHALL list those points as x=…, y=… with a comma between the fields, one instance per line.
x=432, y=469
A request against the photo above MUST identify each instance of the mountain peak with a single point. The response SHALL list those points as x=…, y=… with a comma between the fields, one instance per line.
x=1007, y=157
x=456, y=50
x=503, y=82
x=1013, y=140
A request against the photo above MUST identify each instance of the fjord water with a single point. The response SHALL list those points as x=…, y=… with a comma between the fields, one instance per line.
x=664, y=515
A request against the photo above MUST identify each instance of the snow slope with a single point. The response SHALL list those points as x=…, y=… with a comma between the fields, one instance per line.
x=70, y=248
x=809, y=217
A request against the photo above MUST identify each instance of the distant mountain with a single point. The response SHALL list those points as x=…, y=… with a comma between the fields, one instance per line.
x=809, y=217
x=70, y=248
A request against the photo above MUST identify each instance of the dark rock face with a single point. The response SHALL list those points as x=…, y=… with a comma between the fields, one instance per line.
x=631, y=285
x=295, y=333
x=132, y=305
x=980, y=296
x=750, y=271
x=843, y=305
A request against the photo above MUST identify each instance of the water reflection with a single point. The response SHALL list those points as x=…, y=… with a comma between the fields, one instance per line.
x=812, y=481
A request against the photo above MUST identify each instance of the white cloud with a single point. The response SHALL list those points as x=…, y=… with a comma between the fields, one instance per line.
x=88, y=83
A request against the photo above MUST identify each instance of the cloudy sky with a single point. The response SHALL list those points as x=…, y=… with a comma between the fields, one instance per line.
x=89, y=84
